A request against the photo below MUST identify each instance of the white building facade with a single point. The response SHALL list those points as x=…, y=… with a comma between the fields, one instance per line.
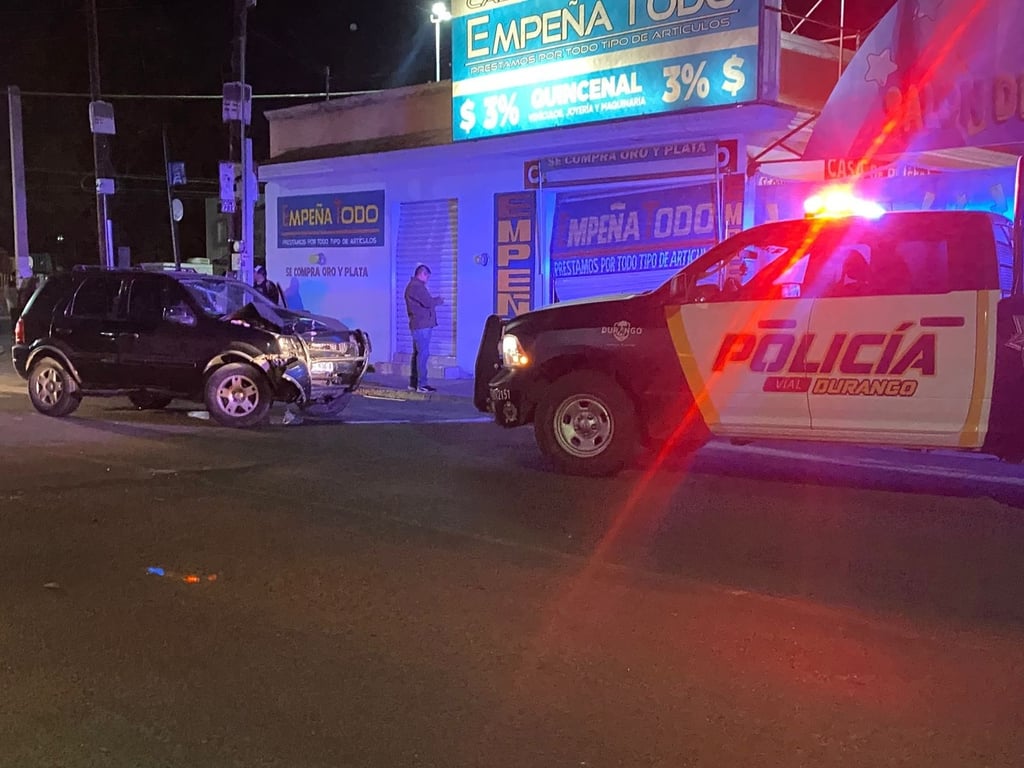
x=360, y=190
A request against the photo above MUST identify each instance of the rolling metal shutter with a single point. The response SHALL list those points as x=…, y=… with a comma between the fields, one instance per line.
x=428, y=233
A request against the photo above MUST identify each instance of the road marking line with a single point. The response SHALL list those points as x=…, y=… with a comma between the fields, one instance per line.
x=939, y=472
x=471, y=420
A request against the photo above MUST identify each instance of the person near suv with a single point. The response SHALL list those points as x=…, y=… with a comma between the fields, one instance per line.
x=422, y=309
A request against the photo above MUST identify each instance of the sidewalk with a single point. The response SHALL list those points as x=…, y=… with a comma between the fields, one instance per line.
x=6, y=336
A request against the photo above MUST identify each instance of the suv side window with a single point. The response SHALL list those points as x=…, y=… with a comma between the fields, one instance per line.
x=146, y=301
x=44, y=300
x=97, y=298
x=149, y=298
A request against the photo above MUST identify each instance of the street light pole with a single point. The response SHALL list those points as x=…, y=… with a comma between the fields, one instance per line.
x=438, y=15
x=437, y=49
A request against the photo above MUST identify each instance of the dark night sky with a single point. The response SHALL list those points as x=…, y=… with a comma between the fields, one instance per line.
x=184, y=47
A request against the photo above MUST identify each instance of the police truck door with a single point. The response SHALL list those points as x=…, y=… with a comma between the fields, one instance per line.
x=903, y=346
x=738, y=333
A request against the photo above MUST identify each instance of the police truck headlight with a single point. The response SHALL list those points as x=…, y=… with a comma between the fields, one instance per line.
x=512, y=353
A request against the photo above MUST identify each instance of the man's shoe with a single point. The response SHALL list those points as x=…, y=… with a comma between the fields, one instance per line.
x=424, y=390
x=412, y=388
x=427, y=388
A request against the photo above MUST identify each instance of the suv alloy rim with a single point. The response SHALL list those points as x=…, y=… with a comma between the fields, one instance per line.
x=583, y=426
x=49, y=385
x=238, y=395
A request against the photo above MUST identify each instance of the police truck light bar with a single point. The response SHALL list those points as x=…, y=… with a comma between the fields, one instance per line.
x=836, y=202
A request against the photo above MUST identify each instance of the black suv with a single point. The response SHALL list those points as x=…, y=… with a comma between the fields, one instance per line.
x=157, y=336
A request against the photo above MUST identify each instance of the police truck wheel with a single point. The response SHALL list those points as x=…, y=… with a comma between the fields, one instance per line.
x=238, y=395
x=52, y=389
x=586, y=425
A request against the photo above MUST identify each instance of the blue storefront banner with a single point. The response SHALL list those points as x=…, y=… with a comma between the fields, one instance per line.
x=332, y=220
x=515, y=248
x=528, y=64
x=639, y=232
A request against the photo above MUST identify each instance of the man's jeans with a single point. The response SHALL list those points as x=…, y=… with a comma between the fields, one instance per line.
x=420, y=353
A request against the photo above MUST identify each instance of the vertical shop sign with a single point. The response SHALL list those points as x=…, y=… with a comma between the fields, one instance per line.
x=515, y=248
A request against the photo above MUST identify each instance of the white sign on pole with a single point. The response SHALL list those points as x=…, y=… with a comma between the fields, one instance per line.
x=237, y=103
x=101, y=117
x=227, y=172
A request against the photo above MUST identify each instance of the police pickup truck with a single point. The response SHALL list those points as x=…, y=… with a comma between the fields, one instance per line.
x=898, y=329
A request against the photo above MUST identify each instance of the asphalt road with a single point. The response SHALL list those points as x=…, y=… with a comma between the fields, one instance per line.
x=415, y=588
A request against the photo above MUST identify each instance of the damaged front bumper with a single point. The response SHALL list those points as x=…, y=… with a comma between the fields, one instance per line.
x=329, y=368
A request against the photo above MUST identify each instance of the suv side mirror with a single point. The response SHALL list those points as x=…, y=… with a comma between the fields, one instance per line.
x=180, y=314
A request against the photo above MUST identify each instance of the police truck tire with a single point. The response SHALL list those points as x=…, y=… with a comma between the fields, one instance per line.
x=238, y=395
x=52, y=389
x=586, y=425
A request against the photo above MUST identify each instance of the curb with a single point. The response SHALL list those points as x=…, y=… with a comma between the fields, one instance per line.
x=385, y=392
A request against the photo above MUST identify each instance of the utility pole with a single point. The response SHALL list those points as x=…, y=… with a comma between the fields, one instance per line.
x=101, y=117
x=238, y=112
x=21, y=253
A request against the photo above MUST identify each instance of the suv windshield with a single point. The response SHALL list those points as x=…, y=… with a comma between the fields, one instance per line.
x=219, y=296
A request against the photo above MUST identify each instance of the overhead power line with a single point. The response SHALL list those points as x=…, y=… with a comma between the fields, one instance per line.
x=194, y=96
x=131, y=176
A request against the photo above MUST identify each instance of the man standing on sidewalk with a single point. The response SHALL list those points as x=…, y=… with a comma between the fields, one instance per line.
x=422, y=309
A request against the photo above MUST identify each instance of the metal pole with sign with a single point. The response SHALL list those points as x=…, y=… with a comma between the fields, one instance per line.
x=170, y=202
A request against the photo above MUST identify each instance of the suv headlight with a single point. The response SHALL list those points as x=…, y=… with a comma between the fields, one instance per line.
x=290, y=346
x=512, y=353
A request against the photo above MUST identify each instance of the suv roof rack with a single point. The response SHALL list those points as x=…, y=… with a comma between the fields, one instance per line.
x=149, y=267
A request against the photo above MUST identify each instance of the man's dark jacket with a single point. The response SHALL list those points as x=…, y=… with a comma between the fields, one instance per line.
x=420, y=305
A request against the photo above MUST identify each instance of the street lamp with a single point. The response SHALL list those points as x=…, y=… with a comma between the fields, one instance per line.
x=438, y=15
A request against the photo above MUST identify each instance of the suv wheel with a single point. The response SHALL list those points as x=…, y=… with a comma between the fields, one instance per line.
x=586, y=425
x=238, y=395
x=52, y=389
x=147, y=401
